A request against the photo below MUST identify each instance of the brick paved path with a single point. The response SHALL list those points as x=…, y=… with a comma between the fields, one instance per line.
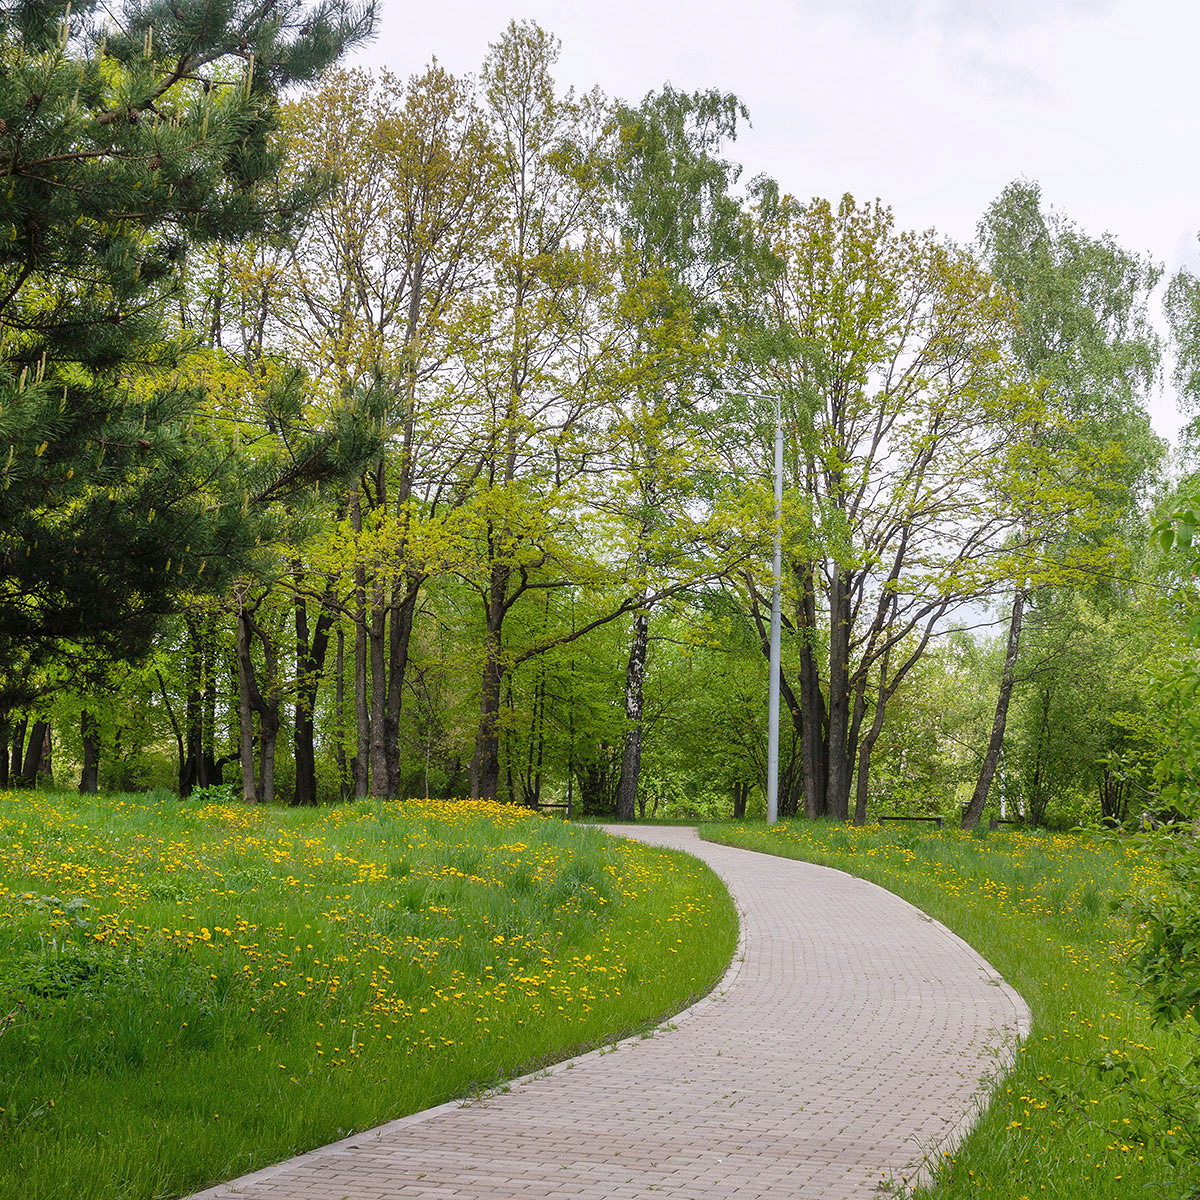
x=851, y=1036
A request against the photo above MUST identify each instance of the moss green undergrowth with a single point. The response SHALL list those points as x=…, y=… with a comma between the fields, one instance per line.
x=192, y=990
x=1040, y=908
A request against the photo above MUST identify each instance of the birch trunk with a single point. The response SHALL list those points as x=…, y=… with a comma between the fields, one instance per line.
x=631, y=754
x=990, y=760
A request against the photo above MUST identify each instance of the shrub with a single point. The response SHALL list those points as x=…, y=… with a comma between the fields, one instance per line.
x=1162, y=1099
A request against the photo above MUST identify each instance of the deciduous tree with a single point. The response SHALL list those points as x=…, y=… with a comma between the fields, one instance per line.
x=886, y=350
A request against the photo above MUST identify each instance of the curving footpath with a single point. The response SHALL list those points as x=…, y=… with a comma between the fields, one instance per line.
x=852, y=1038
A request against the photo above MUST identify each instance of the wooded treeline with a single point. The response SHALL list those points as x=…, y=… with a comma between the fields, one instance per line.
x=469, y=433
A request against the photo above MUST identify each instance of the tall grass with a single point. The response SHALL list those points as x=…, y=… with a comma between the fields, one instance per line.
x=191, y=990
x=1040, y=908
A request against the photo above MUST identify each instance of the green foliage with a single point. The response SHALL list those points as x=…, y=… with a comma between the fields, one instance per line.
x=935, y=731
x=1084, y=327
x=537, y=294
x=1083, y=343
x=908, y=457
x=1182, y=307
x=1162, y=1097
x=1078, y=732
x=1083, y=338
x=1167, y=963
x=1175, y=722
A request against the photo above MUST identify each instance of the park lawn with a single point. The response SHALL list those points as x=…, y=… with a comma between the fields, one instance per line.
x=192, y=990
x=1040, y=908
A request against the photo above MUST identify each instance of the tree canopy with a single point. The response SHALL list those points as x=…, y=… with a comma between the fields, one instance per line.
x=385, y=434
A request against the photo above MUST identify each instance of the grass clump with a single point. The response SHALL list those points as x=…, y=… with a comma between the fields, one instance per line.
x=1045, y=911
x=191, y=990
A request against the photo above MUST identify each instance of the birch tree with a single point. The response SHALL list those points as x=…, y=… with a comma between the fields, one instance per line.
x=1084, y=340
x=682, y=242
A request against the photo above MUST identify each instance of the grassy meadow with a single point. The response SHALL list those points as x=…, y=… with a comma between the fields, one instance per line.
x=191, y=990
x=1040, y=908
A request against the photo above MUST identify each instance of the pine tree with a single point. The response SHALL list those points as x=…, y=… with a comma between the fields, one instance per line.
x=128, y=137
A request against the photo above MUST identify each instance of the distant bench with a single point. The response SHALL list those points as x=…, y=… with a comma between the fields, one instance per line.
x=935, y=820
x=565, y=809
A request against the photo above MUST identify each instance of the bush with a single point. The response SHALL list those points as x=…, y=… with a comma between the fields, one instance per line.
x=1162, y=1098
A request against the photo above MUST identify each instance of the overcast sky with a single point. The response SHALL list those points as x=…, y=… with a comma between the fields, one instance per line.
x=931, y=105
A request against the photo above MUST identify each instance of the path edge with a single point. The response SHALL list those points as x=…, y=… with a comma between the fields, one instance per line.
x=922, y=1170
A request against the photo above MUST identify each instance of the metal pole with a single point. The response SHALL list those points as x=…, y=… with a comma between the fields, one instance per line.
x=777, y=577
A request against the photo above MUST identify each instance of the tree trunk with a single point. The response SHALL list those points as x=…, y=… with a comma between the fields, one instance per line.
x=245, y=677
x=538, y=741
x=1039, y=800
x=305, y=792
x=268, y=721
x=18, y=749
x=485, y=766
x=863, y=779
x=376, y=640
x=791, y=778
x=210, y=773
x=511, y=791
x=535, y=750
x=45, y=766
x=400, y=639
x=741, y=793
x=1114, y=794
x=377, y=652
x=362, y=717
x=266, y=766
x=34, y=750
x=310, y=665
x=597, y=785
x=267, y=707
x=89, y=780
x=404, y=600
x=813, y=724
x=485, y=769
x=807, y=714
x=232, y=732
x=170, y=710
x=839, y=751
x=975, y=809
x=190, y=767
x=631, y=754
x=345, y=782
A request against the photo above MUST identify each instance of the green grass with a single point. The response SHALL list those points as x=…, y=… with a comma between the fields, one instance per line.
x=189, y=991
x=1039, y=907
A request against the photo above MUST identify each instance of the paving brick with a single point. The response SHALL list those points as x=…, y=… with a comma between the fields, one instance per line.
x=852, y=1037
